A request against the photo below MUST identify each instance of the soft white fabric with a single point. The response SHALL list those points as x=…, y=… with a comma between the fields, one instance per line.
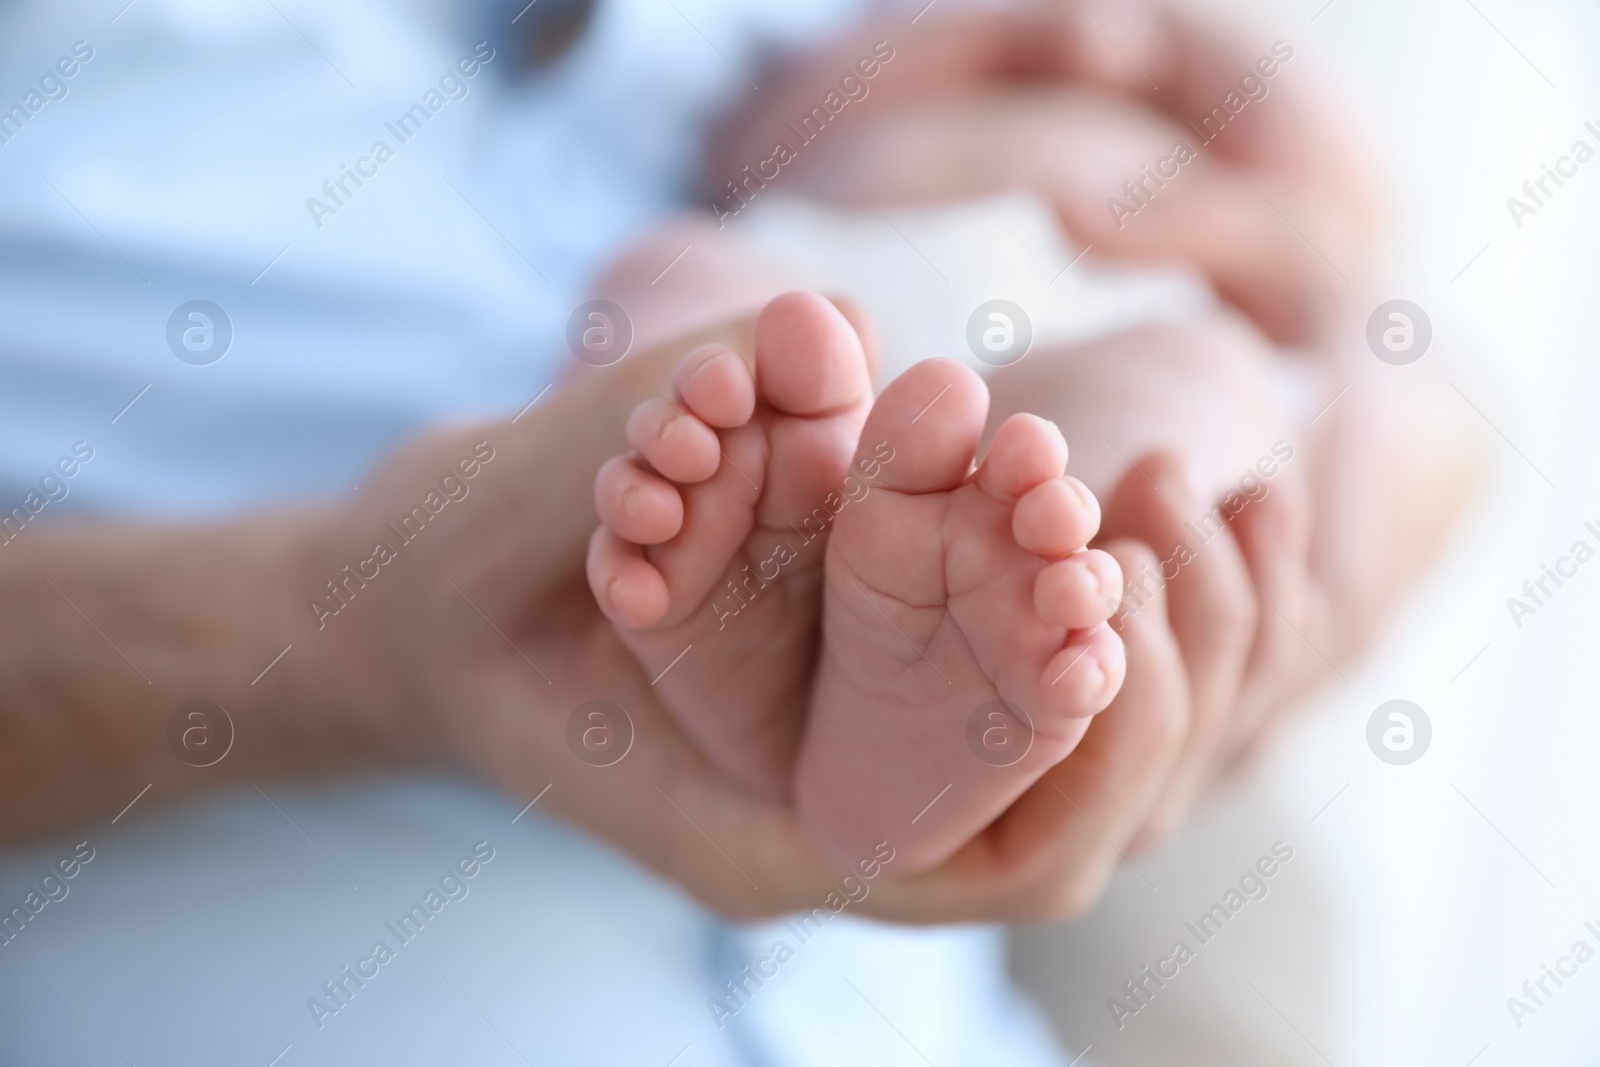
x=921, y=273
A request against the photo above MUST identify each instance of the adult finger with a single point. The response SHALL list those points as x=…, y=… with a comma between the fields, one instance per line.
x=1212, y=217
x=1185, y=65
x=1274, y=534
x=1212, y=611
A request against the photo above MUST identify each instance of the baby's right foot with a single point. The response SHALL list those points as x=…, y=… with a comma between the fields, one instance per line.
x=963, y=640
x=710, y=553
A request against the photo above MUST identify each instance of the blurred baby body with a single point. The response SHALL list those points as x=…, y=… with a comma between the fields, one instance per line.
x=1123, y=359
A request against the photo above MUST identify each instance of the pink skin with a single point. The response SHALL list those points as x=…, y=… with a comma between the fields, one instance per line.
x=949, y=588
x=723, y=473
x=736, y=465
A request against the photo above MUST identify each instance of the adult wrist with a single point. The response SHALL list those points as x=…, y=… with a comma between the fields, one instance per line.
x=343, y=692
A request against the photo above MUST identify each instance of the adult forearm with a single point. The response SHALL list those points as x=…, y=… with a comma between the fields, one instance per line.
x=107, y=628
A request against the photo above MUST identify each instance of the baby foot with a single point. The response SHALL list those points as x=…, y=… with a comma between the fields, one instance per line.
x=963, y=646
x=710, y=554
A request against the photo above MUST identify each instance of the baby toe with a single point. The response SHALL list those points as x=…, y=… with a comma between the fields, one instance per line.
x=715, y=385
x=1026, y=450
x=809, y=359
x=1056, y=518
x=673, y=441
x=931, y=418
x=636, y=505
x=629, y=590
x=1078, y=592
x=1084, y=677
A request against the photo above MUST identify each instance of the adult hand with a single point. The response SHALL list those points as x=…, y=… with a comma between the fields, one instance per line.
x=469, y=642
x=1198, y=656
x=1071, y=101
x=481, y=638
x=1221, y=497
x=480, y=641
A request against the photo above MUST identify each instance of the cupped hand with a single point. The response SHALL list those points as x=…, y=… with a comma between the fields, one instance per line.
x=1178, y=427
x=481, y=647
x=476, y=644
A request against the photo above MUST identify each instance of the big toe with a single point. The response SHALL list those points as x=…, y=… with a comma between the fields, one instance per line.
x=809, y=359
x=932, y=418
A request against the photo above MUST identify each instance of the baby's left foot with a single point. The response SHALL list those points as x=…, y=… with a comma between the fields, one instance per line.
x=963, y=640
